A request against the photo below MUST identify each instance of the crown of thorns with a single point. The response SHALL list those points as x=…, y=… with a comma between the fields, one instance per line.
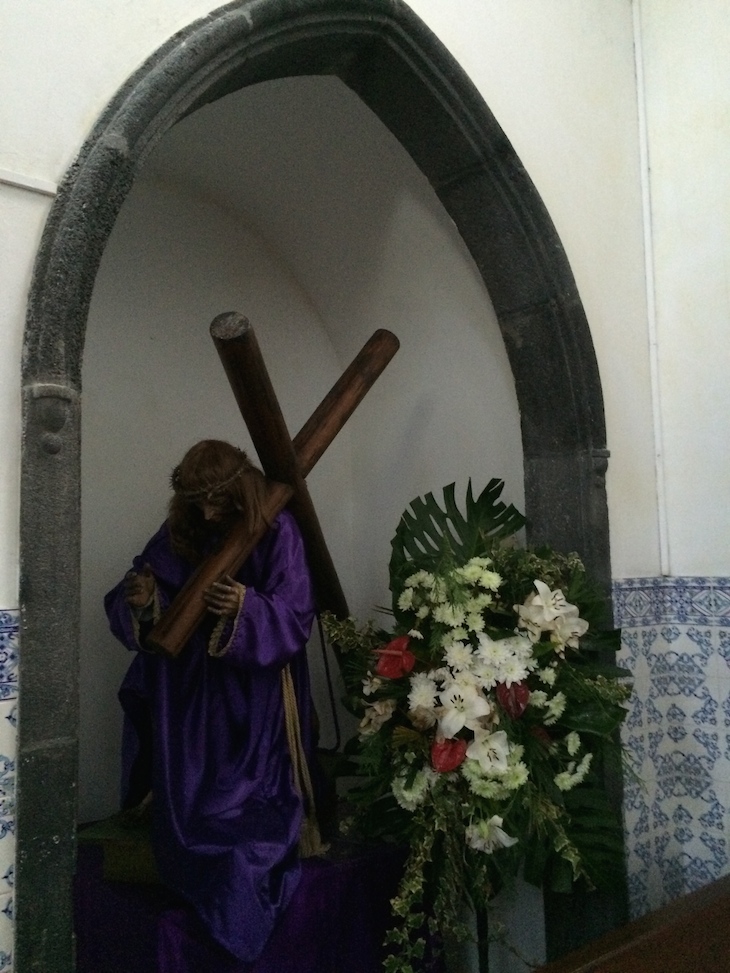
x=210, y=491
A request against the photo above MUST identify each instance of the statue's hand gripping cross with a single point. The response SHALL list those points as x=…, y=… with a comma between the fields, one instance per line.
x=285, y=462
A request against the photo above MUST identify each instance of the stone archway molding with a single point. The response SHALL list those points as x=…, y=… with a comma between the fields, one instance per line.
x=384, y=53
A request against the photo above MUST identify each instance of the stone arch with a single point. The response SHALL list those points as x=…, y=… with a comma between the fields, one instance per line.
x=386, y=55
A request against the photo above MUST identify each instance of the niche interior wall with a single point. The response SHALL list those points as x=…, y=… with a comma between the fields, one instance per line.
x=387, y=56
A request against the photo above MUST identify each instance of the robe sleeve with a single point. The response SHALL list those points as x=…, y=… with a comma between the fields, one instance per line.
x=123, y=621
x=276, y=614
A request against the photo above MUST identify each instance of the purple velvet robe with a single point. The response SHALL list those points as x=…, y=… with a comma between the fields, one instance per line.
x=226, y=817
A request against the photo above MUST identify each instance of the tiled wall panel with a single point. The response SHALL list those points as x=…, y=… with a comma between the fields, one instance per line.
x=676, y=641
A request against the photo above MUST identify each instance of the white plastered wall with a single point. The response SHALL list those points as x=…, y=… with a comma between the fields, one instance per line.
x=687, y=96
x=22, y=215
x=569, y=108
x=560, y=80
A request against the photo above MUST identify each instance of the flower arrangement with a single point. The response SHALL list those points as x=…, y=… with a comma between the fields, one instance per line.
x=488, y=717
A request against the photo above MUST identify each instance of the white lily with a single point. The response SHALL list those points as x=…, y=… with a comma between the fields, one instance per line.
x=462, y=704
x=568, y=630
x=371, y=684
x=540, y=611
x=490, y=750
x=375, y=715
x=488, y=836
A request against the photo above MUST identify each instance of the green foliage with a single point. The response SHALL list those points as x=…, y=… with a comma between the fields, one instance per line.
x=520, y=636
x=428, y=533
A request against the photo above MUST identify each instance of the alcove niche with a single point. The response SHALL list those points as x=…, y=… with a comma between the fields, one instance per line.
x=325, y=168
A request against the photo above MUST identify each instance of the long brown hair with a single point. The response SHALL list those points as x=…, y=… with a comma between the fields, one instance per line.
x=213, y=471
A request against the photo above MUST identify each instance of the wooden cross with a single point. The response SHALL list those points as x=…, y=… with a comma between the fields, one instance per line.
x=285, y=462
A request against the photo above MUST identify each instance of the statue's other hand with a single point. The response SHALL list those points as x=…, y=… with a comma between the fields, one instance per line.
x=224, y=597
x=139, y=589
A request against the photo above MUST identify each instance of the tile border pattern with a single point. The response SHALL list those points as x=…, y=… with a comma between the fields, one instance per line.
x=676, y=642
x=9, y=634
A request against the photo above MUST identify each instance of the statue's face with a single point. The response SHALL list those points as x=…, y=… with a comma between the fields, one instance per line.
x=216, y=510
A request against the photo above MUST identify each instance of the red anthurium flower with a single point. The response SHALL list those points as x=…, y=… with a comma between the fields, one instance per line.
x=395, y=659
x=447, y=755
x=513, y=699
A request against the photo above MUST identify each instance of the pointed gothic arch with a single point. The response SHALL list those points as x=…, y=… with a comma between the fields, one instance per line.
x=386, y=55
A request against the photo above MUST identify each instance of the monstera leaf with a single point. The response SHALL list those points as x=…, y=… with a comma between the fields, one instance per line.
x=427, y=533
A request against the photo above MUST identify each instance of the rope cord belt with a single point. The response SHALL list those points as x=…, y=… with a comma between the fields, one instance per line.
x=310, y=841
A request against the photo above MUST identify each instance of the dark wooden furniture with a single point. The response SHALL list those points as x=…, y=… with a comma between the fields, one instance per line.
x=690, y=935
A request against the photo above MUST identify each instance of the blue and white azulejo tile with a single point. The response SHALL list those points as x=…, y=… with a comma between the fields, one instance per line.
x=8, y=654
x=9, y=626
x=676, y=642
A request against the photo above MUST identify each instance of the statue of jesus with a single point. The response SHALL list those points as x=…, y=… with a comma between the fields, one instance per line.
x=205, y=731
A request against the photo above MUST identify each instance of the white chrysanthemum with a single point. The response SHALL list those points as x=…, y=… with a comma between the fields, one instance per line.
x=458, y=634
x=467, y=677
x=515, y=776
x=513, y=670
x=487, y=675
x=538, y=698
x=412, y=797
x=442, y=674
x=458, y=656
x=415, y=634
x=522, y=648
x=423, y=611
x=555, y=708
x=492, y=653
x=573, y=776
x=490, y=580
x=572, y=743
x=423, y=692
x=478, y=602
x=491, y=788
x=475, y=622
x=448, y=614
x=405, y=600
x=548, y=676
x=421, y=579
x=471, y=572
